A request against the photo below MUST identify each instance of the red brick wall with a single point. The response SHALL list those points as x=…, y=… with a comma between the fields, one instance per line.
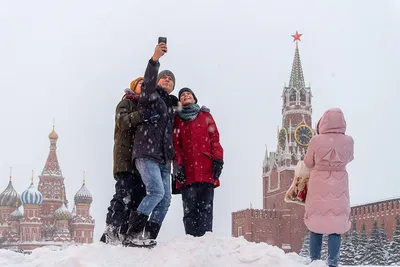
x=274, y=200
x=381, y=211
x=296, y=119
x=274, y=227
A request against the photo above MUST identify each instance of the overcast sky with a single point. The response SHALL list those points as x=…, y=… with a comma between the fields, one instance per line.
x=71, y=60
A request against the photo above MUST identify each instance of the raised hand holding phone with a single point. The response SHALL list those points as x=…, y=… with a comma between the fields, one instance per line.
x=160, y=49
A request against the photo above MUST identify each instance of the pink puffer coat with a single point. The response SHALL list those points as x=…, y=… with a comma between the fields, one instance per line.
x=328, y=203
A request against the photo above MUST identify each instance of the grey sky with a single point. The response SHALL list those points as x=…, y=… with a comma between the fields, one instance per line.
x=71, y=61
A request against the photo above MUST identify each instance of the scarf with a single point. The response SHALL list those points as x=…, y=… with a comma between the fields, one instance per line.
x=190, y=112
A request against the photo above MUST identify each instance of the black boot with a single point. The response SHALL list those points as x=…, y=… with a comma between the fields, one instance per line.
x=134, y=235
x=112, y=235
x=151, y=230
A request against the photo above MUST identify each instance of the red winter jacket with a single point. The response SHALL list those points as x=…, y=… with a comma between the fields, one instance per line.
x=196, y=144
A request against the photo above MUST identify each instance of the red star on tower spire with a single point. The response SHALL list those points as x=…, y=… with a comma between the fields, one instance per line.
x=296, y=36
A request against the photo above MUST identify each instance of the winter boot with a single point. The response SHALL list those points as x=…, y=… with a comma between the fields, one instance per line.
x=112, y=235
x=134, y=234
x=151, y=230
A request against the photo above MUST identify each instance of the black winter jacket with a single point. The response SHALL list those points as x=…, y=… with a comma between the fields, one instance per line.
x=154, y=140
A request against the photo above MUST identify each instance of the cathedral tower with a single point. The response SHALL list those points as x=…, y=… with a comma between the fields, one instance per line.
x=51, y=185
x=31, y=224
x=82, y=223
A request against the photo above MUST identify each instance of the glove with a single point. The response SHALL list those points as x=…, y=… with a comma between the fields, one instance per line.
x=149, y=115
x=217, y=166
x=180, y=174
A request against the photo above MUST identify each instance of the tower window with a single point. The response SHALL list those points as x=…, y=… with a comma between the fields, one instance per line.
x=292, y=96
x=302, y=96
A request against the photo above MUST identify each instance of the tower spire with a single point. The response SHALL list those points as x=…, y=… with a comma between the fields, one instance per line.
x=265, y=162
x=84, y=178
x=32, y=178
x=52, y=168
x=10, y=174
x=296, y=76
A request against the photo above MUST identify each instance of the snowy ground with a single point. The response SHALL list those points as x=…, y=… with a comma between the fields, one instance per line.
x=210, y=251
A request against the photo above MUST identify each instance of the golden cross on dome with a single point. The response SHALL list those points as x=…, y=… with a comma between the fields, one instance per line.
x=32, y=178
x=84, y=179
x=10, y=174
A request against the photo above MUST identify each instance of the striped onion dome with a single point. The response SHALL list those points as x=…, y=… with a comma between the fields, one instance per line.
x=62, y=213
x=9, y=197
x=83, y=196
x=32, y=196
x=16, y=215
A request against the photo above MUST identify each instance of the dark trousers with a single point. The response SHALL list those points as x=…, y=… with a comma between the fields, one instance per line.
x=129, y=192
x=197, y=201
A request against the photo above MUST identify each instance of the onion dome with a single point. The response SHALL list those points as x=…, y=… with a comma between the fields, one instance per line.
x=62, y=213
x=16, y=215
x=9, y=196
x=31, y=195
x=83, y=196
x=53, y=135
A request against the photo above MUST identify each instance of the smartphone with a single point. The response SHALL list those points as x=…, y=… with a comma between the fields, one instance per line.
x=162, y=40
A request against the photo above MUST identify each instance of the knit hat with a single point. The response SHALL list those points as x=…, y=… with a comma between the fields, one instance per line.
x=168, y=73
x=186, y=89
x=134, y=83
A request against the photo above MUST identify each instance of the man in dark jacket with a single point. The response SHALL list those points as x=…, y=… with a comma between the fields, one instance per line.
x=153, y=152
x=129, y=188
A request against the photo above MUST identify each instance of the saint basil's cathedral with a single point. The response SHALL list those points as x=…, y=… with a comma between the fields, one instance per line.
x=279, y=223
x=46, y=220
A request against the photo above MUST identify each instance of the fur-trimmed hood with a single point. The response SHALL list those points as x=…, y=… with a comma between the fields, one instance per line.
x=129, y=94
x=205, y=109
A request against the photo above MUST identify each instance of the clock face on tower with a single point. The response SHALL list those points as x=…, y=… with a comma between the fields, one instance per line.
x=303, y=134
x=282, y=138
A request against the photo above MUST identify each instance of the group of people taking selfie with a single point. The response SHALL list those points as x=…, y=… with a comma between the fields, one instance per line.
x=155, y=133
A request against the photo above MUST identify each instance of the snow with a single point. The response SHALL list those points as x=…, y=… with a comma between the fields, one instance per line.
x=209, y=250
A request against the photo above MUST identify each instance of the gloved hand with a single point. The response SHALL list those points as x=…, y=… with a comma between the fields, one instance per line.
x=217, y=166
x=149, y=115
x=180, y=174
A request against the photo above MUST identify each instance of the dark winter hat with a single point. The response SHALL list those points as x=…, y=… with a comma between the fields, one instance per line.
x=168, y=73
x=185, y=89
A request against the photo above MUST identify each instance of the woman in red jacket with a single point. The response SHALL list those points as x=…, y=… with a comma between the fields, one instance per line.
x=198, y=162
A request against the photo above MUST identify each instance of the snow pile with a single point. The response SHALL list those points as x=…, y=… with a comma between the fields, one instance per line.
x=209, y=250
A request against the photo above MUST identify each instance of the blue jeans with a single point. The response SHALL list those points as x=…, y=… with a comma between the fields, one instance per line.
x=334, y=241
x=156, y=177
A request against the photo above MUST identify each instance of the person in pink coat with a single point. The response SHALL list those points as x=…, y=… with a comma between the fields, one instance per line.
x=327, y=206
